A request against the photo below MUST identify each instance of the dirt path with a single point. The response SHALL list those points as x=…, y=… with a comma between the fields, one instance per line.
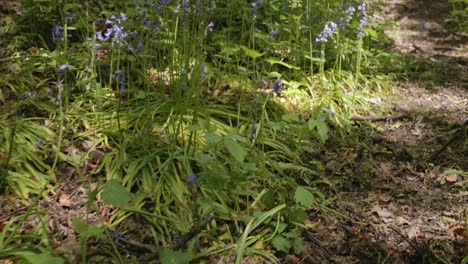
x=395, y=206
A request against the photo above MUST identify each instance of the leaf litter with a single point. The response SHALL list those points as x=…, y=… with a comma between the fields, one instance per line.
x=404, y=209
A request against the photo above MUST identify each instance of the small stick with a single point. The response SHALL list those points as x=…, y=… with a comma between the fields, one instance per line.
x=460, y=132
x=377, y=118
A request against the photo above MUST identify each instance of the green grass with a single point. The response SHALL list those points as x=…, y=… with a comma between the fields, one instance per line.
x=195, y=120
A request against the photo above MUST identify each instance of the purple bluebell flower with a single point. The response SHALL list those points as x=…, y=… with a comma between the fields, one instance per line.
x=123, y=17
x=25, y=95
x=363, y=21
x=38, y=143
x=121, y=79
x=277, y=87
x=192, y=178
x=275, y=33
x=349, y=14
x=252, y=132
x=324, y=35
x=99, y=36
x=70, y=16
x=138, y=8
x=209, y=28
x=333, y=26
x=62, y=68
x=160, y=10
x=57, y=33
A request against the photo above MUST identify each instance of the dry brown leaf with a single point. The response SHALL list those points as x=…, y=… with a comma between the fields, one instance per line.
x=64, y=200
x=458, y=230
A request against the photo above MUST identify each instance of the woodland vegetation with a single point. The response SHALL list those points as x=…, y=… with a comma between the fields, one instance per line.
x=206, y=131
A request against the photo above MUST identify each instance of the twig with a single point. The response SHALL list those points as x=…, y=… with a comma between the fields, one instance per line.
x=377, y=118
x=460, y=132
x=187, y=237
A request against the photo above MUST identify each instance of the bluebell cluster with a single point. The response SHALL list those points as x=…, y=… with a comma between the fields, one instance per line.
x=363, y=21
x=115, y=32
x=327, y=32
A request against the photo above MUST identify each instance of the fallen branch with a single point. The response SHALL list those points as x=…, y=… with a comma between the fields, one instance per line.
x=377, y=118
x=459, y=133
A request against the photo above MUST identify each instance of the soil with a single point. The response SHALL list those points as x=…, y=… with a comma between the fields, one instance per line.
x=396, y=204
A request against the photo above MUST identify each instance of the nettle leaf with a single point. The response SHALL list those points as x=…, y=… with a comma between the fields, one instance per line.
x=168, y=256
x=115, y=194
x=236, y=150
x=304, y=197
x=280, y=243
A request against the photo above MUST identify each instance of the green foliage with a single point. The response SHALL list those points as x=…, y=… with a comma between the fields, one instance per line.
x=193, y=117
x=113, y=193
x=167, y=256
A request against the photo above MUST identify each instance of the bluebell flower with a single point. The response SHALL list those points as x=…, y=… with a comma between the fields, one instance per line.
x=38, y=143
x=275, y=33
x=349, y=14
x=333, y=27
x=70, y=16
x=252, y=132
x=123, y=17
x=57, y=33
x=326, y=32
x=25, y=95
x=209, y=28
x=363, y=21
x=99, y=36
x=121, y=79
x=192, y=178
x=277, y=87
x=138, y=8
x=62, y=68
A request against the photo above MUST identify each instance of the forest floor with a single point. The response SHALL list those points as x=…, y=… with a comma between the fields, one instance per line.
x=392, y=203
x=395, y=203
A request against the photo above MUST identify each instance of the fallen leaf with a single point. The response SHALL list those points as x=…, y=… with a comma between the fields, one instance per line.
x=382, y=212
x=451, y=178
x=64, y=200
x=459, y=230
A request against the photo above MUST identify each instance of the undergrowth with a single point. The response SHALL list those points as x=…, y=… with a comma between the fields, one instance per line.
x=175, y=112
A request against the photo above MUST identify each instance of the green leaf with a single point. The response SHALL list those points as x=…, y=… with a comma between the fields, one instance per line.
x=299, y=246
x=251, y=53
x=273, y=61
x=41, y=258
x=235, y=149
x=291, y=117
x=280, y=243
x=168, y=256
x=84, y=229
x=304, y=197
x=297, y=215
x=320, y=127
x=114, y=193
